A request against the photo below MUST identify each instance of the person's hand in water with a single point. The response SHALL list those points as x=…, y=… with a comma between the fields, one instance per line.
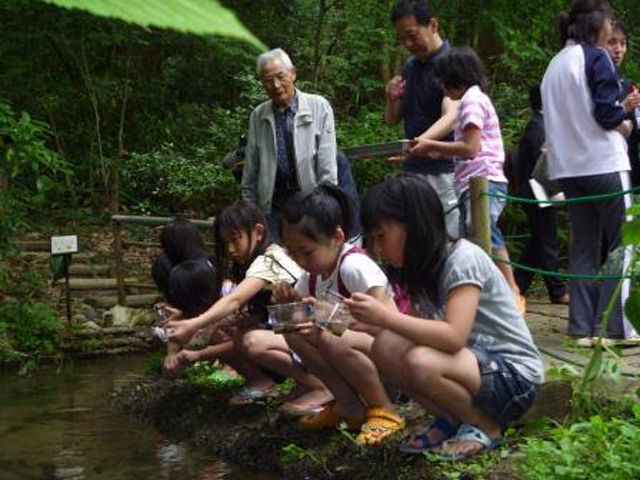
x=172, y=363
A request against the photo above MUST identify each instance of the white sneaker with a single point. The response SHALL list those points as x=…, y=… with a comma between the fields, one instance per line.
x=633, y=341
x=582, y=342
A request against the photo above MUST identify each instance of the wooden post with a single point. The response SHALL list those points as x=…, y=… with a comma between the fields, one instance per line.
x=118, y=252
x=480, y=215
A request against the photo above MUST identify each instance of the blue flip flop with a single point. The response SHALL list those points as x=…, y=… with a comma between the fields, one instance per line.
x=470, y=433
x=439, y=423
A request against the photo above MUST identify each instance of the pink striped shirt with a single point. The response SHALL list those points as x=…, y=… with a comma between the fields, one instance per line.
x=475, y=108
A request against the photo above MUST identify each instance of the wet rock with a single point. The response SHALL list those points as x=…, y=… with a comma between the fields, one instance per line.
x=92, y=326
x=89, y=312
x=553, y=401
x=79, y=318
x=120, y=316
x=142, y=318
x=107, y=318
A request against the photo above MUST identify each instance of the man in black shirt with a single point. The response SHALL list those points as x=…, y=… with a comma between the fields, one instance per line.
x=416, y=98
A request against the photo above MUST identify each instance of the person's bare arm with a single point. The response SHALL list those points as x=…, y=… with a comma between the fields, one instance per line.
x=445, y=124
x=393, y=100
x=466, y=147
x=450, y=335
x=183, y=330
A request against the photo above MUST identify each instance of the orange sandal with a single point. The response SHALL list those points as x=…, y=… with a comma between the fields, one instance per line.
x=380, y=424
x=328, y=418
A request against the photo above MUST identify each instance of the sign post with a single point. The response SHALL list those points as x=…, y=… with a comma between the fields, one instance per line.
x=65, y=246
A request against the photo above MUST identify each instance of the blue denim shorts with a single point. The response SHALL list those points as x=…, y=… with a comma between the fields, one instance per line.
x=496, y=205
x=504, y=395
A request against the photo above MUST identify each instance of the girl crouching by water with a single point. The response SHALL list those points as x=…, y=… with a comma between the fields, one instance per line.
x=244, y=256
x=466, y=354
x=315, y=226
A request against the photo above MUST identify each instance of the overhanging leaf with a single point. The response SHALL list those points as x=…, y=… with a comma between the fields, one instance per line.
x=631, y=233
x=194, y=16
x=632, y=309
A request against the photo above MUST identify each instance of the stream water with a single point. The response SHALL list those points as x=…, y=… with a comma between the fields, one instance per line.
x=60, y=426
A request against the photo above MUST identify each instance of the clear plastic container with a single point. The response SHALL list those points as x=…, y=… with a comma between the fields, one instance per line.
x=286, y=317
x=199, y=340
x=332, y=313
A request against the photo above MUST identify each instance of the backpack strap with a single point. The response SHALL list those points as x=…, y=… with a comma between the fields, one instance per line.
x=342, y=289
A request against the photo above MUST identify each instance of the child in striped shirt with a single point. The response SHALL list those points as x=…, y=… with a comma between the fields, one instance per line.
x=477, y=147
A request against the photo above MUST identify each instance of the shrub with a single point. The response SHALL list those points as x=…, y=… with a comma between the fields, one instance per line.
x=29, y=328
x=172, y=181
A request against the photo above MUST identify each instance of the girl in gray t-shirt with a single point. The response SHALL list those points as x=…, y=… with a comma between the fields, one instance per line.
x=465, y=354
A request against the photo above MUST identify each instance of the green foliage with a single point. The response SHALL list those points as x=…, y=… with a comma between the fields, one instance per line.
x=23, y=146
x=170, y=180
x=293, y=453
x=29, y=327
x=368, y=127
x=207, y=374
x=196, y=16
x=598, y=448
x=25, y=163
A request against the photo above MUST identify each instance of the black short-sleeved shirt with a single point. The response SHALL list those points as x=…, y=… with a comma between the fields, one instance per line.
x=634, y=139
x=422, y=107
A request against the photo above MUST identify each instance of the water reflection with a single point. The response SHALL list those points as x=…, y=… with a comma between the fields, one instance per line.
x=61, y=427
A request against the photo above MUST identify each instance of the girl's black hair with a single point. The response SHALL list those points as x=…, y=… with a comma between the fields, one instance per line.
x=421, y=10
x=584, y=20
x=161, y=271
x=181, y=240
x=461, y=67
x=408, y=199
x=194, y=286
x=319, y=213
x=620, y=26
x=240, y=217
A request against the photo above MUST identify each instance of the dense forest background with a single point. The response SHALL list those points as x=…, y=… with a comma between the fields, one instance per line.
x=87, y=101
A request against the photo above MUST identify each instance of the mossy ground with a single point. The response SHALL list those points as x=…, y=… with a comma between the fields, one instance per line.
x=260, y=438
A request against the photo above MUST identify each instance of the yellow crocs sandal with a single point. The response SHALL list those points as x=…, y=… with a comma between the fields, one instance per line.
x=380, y=424
x=328, y=418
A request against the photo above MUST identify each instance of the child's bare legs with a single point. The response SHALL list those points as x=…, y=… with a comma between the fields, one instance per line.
x=270, y=350
x=349, y=355
x=347, y=400
x=507, y=271
x=448, y=383
x=392, y=368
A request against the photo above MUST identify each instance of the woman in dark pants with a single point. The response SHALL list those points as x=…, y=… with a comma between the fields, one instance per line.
x=543, y=246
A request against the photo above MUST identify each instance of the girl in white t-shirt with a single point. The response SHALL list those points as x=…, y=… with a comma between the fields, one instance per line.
x=244, y=256
x=315, y=226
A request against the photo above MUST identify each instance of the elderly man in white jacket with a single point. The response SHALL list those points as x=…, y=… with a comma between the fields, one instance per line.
x=292, y=140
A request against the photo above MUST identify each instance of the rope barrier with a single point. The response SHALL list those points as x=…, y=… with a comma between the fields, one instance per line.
x=566, y=276
x=589, y=198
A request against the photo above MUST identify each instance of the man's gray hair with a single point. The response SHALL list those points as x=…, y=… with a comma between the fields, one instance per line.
x=276, y=54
